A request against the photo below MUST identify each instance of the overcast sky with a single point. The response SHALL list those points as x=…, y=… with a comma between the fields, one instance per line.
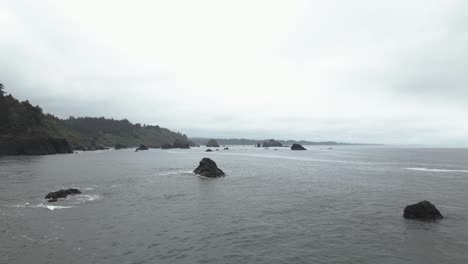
x=391, y=72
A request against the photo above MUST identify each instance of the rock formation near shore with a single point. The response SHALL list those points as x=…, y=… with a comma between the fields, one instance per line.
x=424, y=210
x=297, y=147
x=271, y=143
x=142, y=147
x=54, y=196
x=208, y=168
x=177, y=144
x=212, y=144
x=119, y=146
x=34, y=146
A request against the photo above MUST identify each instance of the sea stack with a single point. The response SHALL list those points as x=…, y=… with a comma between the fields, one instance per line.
x=424, y=210
x=297, y=147
x=208, y=168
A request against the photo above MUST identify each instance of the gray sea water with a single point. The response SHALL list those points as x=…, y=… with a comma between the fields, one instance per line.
x=342, y=205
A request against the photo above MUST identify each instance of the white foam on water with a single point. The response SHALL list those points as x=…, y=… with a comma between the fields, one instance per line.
x=89, y=189
x=19, y=205
x=436, y=170
x=52, y=207
x=83, y=198
x=175, y=172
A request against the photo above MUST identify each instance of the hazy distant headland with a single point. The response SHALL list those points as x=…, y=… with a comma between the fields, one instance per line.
x=254, y=142
x=25, y=129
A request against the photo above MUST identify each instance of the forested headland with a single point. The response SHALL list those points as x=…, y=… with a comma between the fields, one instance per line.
x=26, y=129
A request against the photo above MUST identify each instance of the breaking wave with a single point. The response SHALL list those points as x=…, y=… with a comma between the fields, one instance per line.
x=436, y=170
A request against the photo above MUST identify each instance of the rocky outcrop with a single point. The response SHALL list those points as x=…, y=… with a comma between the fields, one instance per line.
x=79, y=147
x=271, y=143
x=100, y=147
x=212, y=144
x=297, y=147
x=180, y=144
x=177, y=144
x=34, y=146
x=119, y=146
x=142, y=147
x=424, y=210
x=54, y=196
x=226, y=148
x=208, y=168
x=259, y=145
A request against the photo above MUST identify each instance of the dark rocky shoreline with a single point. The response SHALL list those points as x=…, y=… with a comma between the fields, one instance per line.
x=34, y=146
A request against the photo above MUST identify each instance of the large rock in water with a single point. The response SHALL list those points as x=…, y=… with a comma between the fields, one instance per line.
x=34, y=146
x=297, y=147
x=54, y=196
x=424, y=210
x=208, y=168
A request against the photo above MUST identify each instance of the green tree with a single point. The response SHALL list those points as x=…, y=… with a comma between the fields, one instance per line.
x=2, y=91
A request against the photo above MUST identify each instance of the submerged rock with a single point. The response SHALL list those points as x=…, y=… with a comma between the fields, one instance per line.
x=424, y=210
x=209, y=150
x=297, y=147
x=53, y=196
x=208, y=168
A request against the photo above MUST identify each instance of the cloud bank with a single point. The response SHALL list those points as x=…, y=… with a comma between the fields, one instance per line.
x=359, y=71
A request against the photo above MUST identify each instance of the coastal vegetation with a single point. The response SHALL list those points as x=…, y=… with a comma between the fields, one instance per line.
x=26, y=129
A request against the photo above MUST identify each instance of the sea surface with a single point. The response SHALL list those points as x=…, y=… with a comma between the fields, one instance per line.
x=340, y=205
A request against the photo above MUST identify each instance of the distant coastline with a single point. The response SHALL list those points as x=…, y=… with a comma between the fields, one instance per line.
x=253, y=142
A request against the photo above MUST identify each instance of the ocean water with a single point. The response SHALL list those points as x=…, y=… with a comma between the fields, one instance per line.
x=340, y=205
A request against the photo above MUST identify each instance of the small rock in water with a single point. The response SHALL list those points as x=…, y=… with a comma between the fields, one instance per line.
x=141, y=147
x=297, y=147
x=208, y=168
x=209, y=150
x=226, y=148
x=424, y=210
x=54, y=196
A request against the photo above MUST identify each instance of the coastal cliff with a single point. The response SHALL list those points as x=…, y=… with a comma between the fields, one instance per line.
x=26, y=130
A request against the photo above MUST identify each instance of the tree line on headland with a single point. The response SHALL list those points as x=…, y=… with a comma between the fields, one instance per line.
x=26, y=130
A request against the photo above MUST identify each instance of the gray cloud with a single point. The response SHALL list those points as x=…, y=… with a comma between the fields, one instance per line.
x=366, y=71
